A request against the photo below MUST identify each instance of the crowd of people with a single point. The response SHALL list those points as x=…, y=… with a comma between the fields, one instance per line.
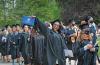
x=51, y=43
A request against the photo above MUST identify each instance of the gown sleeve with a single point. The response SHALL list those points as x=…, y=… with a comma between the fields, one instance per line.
x=42, y=27
x=81, y=50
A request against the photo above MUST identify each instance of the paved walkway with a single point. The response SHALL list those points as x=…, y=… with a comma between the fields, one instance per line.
x=1, y=63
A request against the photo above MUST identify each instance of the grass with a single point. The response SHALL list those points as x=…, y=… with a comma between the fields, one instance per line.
x=98, y=40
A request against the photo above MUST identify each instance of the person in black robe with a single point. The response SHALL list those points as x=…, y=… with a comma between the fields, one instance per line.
x=71, y=37
x=87, y=50
x=55, y=43
x=18, y=31
x=4, y=45
x=25, y=46
x=9, y=29
x=38, y=47
x=0, y=41
x=14, y=43
x=37, y=42
x=93, y=28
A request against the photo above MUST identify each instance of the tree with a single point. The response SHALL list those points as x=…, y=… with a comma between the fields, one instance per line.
x=79, y=8
x=12, y=10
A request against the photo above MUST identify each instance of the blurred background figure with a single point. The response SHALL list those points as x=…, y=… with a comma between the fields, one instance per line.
x=25, y=46
x=4, y=45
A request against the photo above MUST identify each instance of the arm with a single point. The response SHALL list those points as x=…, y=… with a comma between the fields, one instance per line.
x=81, y=51
x=43, y=29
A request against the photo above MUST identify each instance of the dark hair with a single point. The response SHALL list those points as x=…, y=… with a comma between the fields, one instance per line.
x=3, y=29
x=17, y=24
x=13, y=25
x=57, y=20
x=6, y=26
x=25, y=25
x=87, y=18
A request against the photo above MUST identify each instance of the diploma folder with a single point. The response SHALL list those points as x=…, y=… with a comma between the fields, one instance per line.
x=28, y=20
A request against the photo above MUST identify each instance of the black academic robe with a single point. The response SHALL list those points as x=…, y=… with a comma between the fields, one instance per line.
x=25, y=47
x=4, y=45
x=9, y=42
x=0, y=43
x=85, y=57
x=18, y=44
x=93, y=31
x=55, y=45
x=14, y=45
x=37, y=42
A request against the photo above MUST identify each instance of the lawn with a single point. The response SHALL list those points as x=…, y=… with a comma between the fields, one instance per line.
x=98, y=40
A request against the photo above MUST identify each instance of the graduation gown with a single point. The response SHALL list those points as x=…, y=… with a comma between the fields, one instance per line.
x=9, y=37
x=18, y=44
x=14, y=45
x=93, y=31
x=37, y=42
x=85, y=57
x=55, y=45
x=4, y=45
x=0, y=43
x=70, y=45
x=68, y=33
x=25, y=47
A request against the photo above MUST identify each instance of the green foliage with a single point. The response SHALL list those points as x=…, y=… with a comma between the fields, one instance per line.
x=44, y=9
x=97, y=20
x=98, y=40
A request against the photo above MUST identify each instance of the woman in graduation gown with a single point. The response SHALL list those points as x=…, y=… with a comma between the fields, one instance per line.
x=9, y=29
x=55, y=43
x=25, y=46
x=72, y=43
x=87, y=50
x=18, y=30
